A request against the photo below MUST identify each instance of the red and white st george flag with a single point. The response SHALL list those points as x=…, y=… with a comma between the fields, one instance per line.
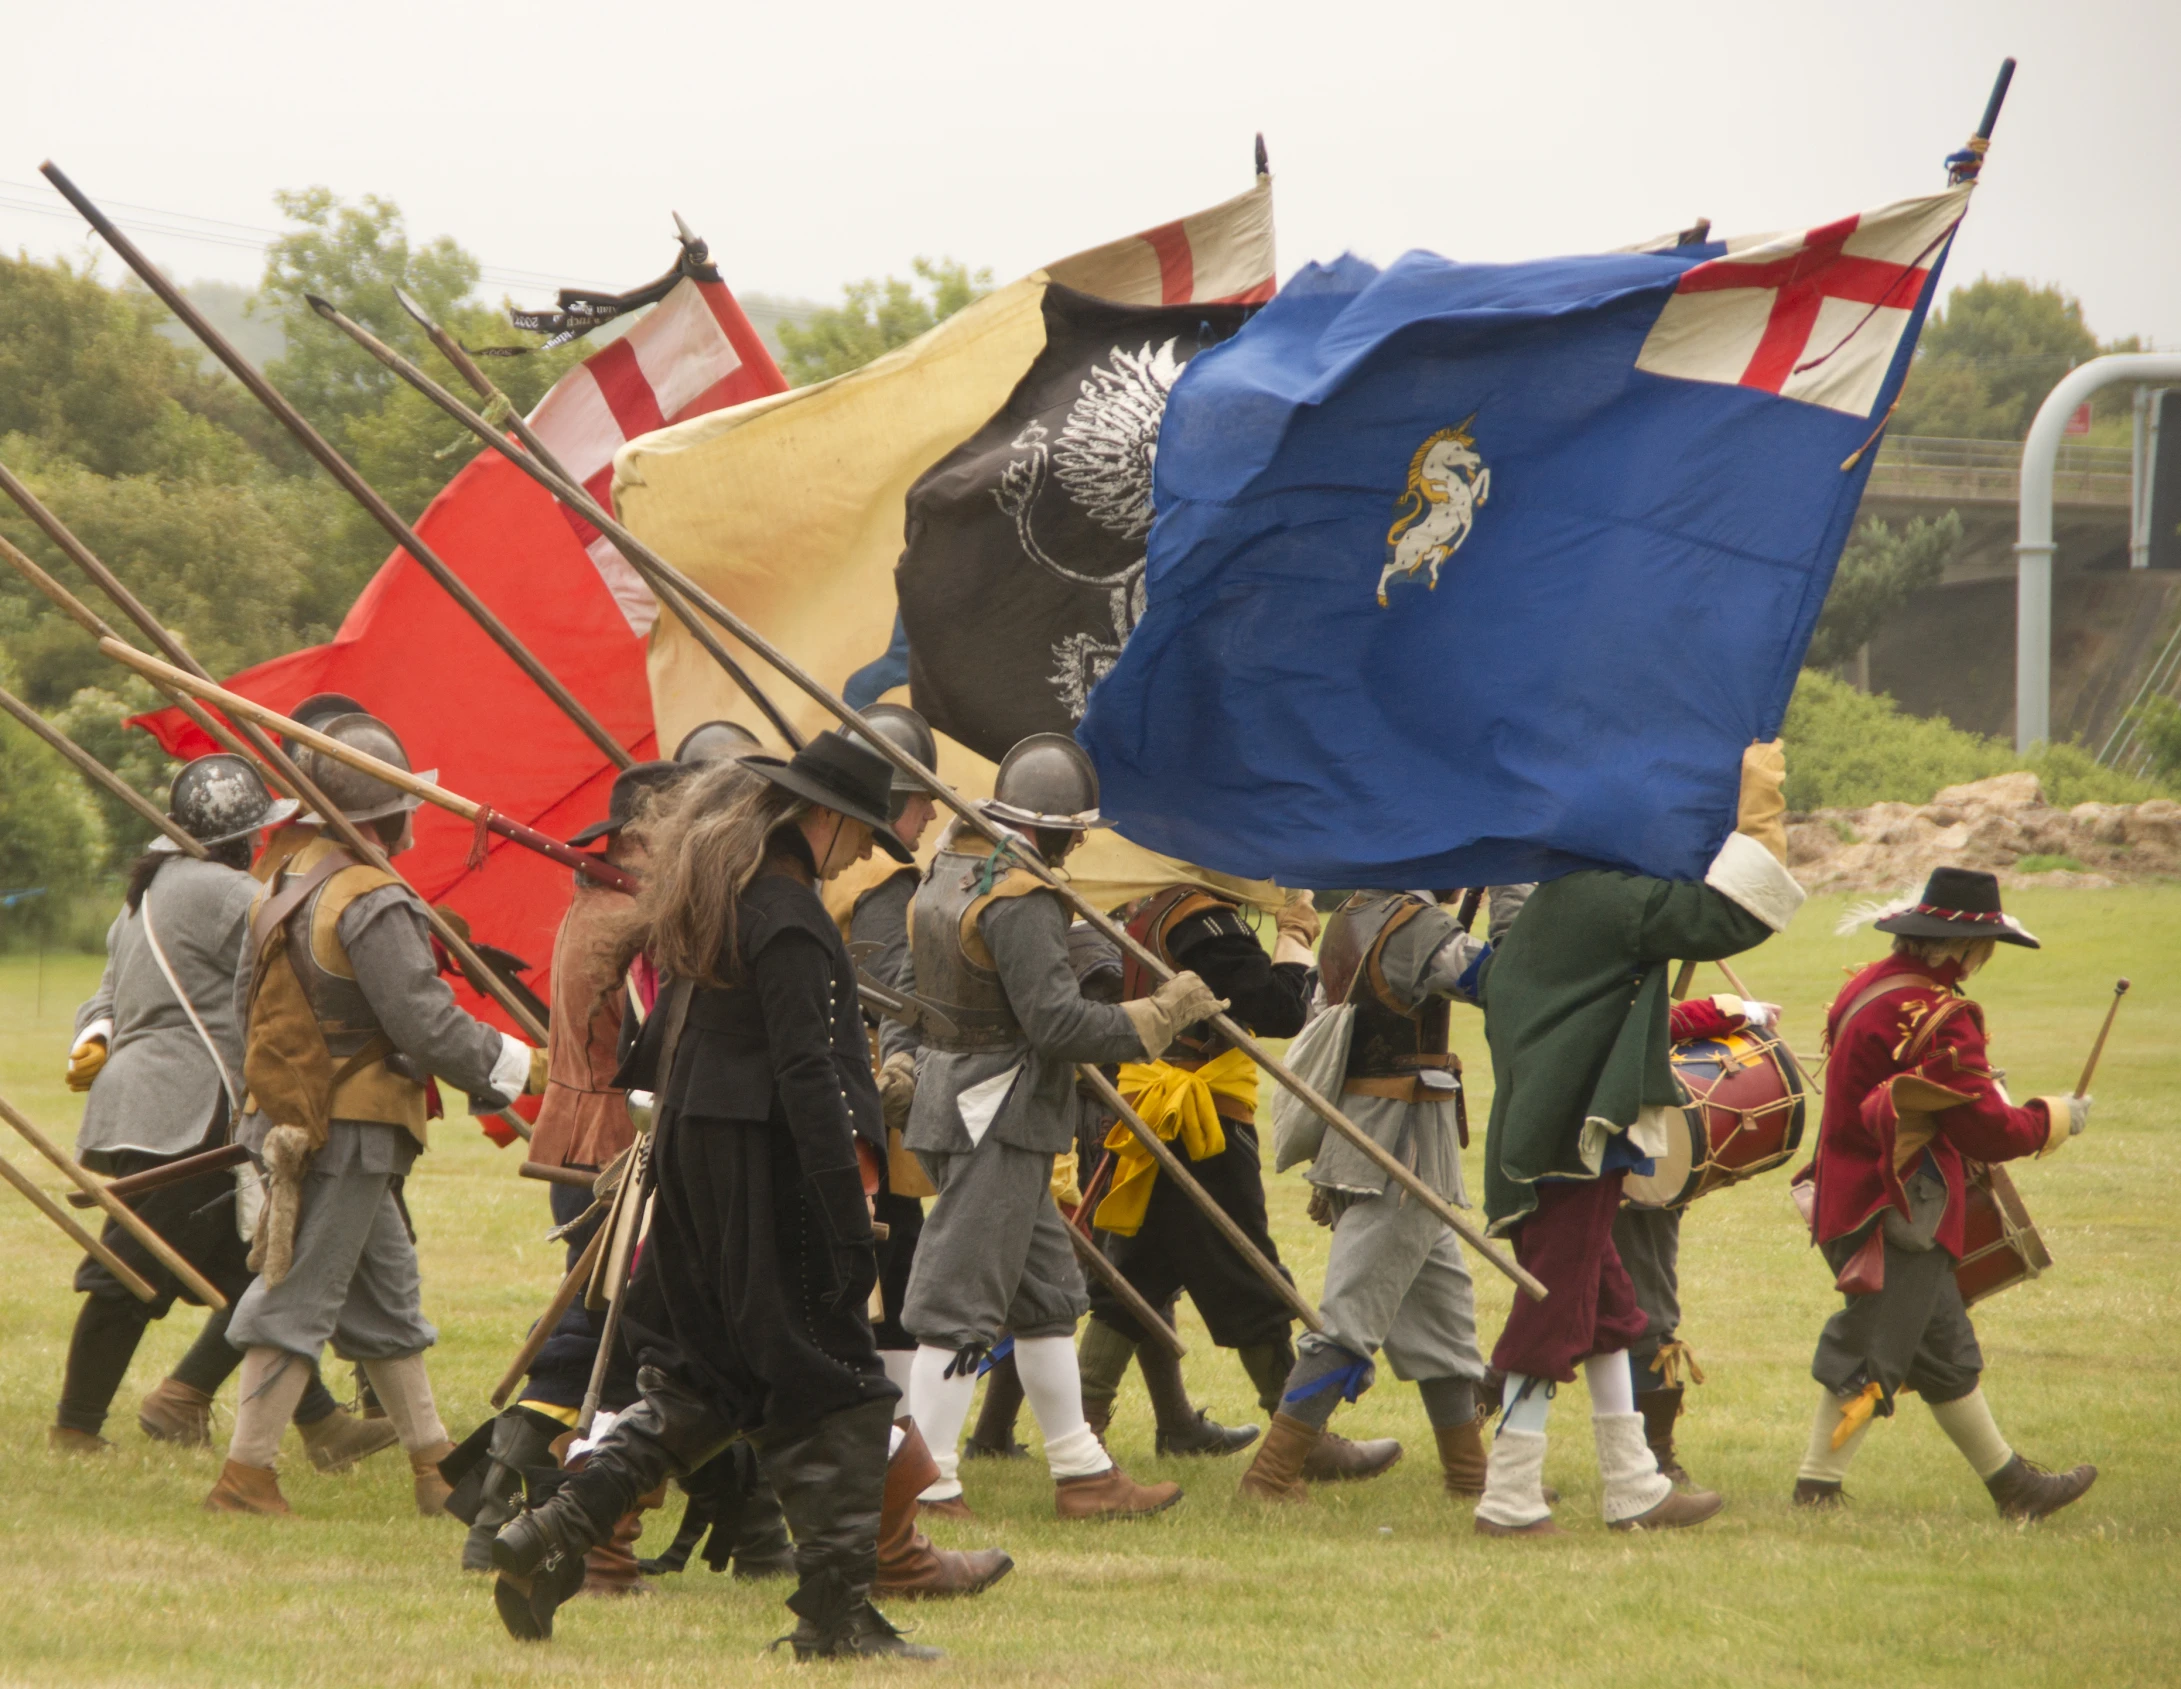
x=413, y=657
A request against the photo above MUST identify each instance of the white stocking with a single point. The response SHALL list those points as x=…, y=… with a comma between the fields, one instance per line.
x=273, y=1381
x=1824, y=1463
x=404, y=1389
x=897, y=1363
x=1053, y=1385
x=940, y=1407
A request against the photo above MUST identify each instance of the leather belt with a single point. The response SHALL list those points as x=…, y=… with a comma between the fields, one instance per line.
x=1405, y=1088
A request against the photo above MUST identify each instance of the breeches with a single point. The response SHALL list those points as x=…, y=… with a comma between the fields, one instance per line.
x=994, y=1255
x=1590, y=1308
x=1178, y=1249
x=1648, y=1241
x=1913, y=1334
x=196, y=1216
x=354, y=1283
x=1396, y=1281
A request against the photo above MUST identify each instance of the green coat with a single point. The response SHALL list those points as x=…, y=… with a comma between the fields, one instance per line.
x=1575, y=1005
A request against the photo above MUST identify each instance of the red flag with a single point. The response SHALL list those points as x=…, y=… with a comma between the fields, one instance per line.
x=413, y=657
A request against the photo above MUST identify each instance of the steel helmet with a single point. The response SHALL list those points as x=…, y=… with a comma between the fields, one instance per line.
x=907, y=732
x=357, y=795
x=1046, y=781
x=222, y=797
x=713, y=741
x=318, y=709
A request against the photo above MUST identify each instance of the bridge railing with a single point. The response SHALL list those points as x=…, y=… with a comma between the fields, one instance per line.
x=1990, y=471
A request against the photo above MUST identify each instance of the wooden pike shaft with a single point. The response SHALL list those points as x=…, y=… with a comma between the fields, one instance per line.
x=98, y=773
x=2082, y=1085
x=627, y=1231
x=655, y=568
x=125, y=1216
x=284, y=772
x=563, y=1300
x=131, y=1280
x=341, y=470
x=1140, y=1310
x=484, y=387
x=469, y=809
x=1173, y=1167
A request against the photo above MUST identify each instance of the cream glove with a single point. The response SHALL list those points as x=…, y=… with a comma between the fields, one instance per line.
x=1181, y=1001
x=1297, y=925
x=897, y=1088
x=1763, y=811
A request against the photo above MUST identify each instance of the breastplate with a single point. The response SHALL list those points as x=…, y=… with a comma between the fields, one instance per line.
x=968, y=992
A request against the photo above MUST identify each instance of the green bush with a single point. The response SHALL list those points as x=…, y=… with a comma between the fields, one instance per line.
x=1847, y=748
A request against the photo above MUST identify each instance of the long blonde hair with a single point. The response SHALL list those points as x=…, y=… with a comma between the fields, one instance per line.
x=708, y=837
x=1971, y=953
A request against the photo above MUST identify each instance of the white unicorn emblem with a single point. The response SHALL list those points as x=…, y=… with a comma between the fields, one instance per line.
x=1447, y=481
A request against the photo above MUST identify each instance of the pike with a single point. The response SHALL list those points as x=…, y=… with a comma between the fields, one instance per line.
x=655, y=568
x=496, y=401
x=480, y=815
x=123, y=1215
x=341, y=470
x=284, y=771
x=563, y=1300
x=130, y=1279
x=104, y=778
x=1139, y=1308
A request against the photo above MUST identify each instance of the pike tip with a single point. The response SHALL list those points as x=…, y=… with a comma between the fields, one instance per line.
x=322, y=306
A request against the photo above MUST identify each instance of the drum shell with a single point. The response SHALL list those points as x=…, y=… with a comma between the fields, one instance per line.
x=1745, y=1104
x=2000, y=1245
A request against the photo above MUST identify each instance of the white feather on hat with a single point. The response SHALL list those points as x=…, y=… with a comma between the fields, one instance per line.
x=1878, y=909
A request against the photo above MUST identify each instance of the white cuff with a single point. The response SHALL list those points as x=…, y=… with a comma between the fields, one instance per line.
x=1753, y=877
x=103, y=1027
x=1288, y=948
x=511, y=1073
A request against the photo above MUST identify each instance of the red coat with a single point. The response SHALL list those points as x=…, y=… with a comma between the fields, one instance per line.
x=1856, y=1176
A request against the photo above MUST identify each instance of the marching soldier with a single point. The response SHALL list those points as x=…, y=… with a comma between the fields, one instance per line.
x=994, y=1104
x=159, y=1048
x=346, y=1016
x=1396, y=1280
x=1910, y=1096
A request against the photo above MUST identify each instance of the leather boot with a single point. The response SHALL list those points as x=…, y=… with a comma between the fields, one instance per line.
x=338, y=1441
x=1819, y=1493
x=539, y=1554
x=431, y=1489
x=909, y=1565
x=1462, y=1456
x=1111, y=1494
x=611, y=1567
x=520, y=1439
x=1276, y=1474
x=63, y=1439
x=174, y=1412
x=1681, y=1507
x=1183, y=1428
x=246, y=1489
x=2024, y=1490
x=1335, y=1460
x=1660, y=1408
x=994, y=1437
x=836, y=1621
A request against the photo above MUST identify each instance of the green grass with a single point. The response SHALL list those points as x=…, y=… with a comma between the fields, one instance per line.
x=2043, y=864
x=114, y=1576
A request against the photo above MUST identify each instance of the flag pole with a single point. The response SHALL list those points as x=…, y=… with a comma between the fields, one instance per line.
x=495, y=400
x=246, y=739
x=650, y=564
x=104, y=778
x=341, y=470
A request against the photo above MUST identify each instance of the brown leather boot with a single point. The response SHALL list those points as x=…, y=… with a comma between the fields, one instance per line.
x=61, y=1439
x=1336, y=1460
x=338, y=1441
x=246, y=1489
x=431, y=1489
x=1277, y=1472
x=1691, y=1506
x=909, y=1565
x=954, y=1507
x=1819, y=1493
x=1462, y=1457
x=609, y=1567
x=1111, y=1494
x=1660, y=1408
x=174, y=1412
x=2025, y=1490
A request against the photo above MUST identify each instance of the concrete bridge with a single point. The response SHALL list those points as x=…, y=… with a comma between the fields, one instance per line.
x=1950, y=650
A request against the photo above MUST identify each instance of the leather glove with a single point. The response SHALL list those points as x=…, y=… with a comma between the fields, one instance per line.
x=1181, y=1001
x=1319, y=1208
x=1763, y=810
x=534, y=1086
x=897, y=1088
x=1297, y=926
x=84, y=1062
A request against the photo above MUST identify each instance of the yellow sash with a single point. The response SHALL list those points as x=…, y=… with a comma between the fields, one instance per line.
x=1175, y=1103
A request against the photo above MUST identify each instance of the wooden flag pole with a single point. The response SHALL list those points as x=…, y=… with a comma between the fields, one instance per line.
x=104, y=778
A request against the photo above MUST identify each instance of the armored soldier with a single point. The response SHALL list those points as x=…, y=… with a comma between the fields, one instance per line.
x=994, y=1104
x=1396, y=1280
x=346, y=1017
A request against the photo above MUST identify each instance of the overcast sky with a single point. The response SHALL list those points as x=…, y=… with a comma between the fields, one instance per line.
x=814, y=143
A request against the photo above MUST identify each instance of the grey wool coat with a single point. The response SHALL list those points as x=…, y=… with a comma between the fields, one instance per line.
x=161, y=1085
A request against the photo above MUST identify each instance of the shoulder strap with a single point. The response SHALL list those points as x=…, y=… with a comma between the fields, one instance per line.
x=166, y=969
x=1373, y=971
x=272, y=914
x=1148, y=924
x=1880, y=988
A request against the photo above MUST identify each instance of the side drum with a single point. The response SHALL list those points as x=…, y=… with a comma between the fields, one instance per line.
x=2000, y=1246
x=1743, y=1107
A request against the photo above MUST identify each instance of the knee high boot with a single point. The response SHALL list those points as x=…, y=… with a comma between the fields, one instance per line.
x=909, y=1564
x=994, y=1437
x=1183, y=1427
x=1102, y=1356
x=831, y=1481
x=520, y=1440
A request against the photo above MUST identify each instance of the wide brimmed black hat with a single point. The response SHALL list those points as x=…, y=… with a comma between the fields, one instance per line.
x=631, y=787
x=1959, y=903
x=839, y=774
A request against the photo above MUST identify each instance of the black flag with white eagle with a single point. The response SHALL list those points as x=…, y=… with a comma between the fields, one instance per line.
x=1023, y=572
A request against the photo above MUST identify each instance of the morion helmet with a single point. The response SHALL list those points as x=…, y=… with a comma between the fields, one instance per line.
x=1046, y=781
x=357, y=795
x=222, y=797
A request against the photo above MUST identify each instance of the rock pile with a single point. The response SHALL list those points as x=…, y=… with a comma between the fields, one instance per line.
x=2003, y=824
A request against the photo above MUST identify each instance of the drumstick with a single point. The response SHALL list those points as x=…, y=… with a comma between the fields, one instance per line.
x=1682, y=981
x=2082, y=1085
x=1742, y=991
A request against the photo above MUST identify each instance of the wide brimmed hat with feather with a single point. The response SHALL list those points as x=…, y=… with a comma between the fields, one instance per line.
x=1955, y=903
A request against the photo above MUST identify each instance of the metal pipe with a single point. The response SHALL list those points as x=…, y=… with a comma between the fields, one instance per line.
x=2034, y=546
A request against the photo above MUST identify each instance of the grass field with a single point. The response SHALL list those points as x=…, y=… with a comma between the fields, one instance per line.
x=114, y=1576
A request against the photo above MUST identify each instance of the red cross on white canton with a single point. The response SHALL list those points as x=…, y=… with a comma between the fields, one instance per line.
x=1815, y=316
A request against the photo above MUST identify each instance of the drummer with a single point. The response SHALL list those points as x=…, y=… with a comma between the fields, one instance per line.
x=1910, y=1092
x=1649, y=1243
